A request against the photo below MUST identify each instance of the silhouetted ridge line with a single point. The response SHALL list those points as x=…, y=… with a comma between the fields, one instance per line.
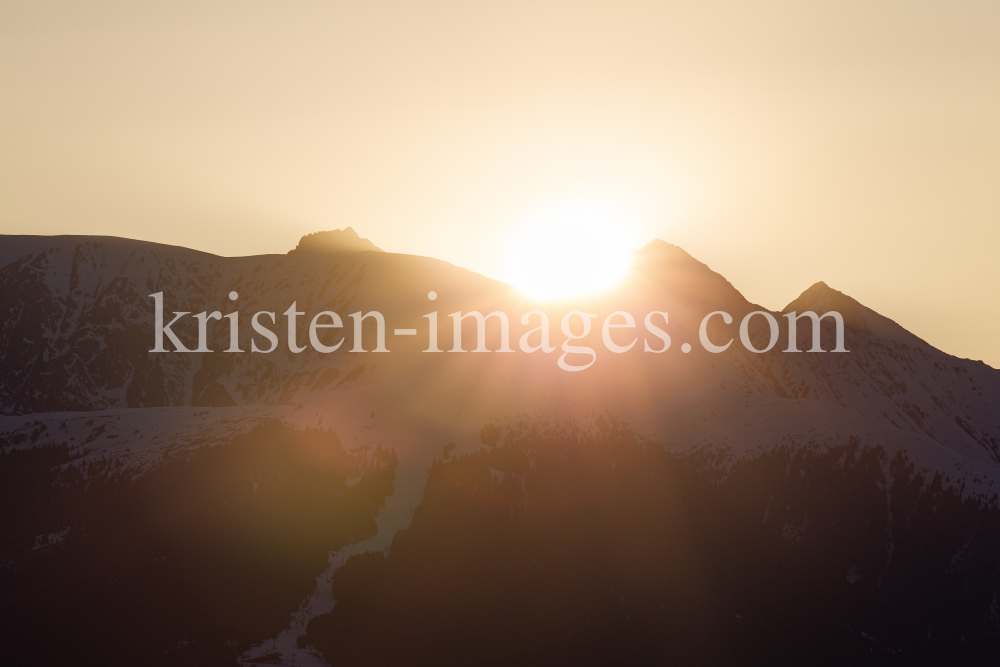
x=331, y=242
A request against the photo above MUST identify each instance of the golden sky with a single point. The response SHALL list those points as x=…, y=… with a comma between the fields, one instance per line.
x=780, y=142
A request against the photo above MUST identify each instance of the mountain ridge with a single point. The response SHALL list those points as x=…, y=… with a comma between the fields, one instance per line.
x=79, y=331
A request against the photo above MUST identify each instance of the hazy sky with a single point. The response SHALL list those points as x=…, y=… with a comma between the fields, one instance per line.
x=780, y=142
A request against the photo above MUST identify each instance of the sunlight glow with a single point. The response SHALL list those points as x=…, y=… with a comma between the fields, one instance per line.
x=571, y=248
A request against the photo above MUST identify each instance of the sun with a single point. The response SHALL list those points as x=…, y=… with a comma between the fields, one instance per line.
x=571, y=248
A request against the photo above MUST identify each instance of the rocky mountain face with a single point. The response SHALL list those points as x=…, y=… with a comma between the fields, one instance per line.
x=79, y=323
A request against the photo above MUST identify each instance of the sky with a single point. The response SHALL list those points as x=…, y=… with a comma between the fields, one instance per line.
x=781, y=143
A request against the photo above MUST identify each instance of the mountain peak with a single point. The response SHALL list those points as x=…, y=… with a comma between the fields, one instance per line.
x=333, y=242
x=821, y=298
x=666, y=265
x=660, y=250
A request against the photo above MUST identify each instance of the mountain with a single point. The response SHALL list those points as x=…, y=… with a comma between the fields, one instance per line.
x=80, y=327
x=78, y=383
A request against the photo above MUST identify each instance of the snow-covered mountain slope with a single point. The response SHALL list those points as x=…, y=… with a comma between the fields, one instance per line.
x=79, y=327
